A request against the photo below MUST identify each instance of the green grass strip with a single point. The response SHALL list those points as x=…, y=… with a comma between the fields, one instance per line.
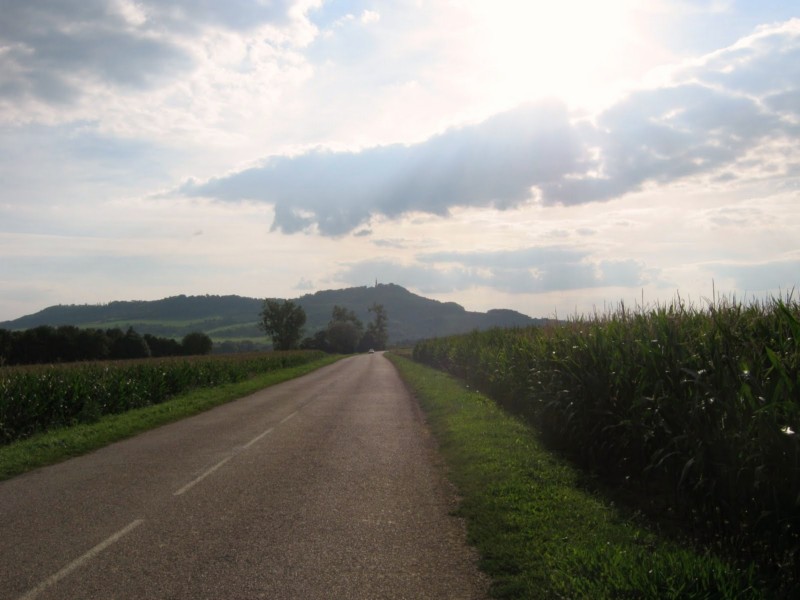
x=539, y=534
x=60, y=444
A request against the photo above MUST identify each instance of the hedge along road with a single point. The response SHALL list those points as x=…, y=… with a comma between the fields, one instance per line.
x=326, y=486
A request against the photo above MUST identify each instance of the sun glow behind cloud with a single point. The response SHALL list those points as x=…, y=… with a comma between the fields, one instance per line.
x=576, y=50
x=523, y=154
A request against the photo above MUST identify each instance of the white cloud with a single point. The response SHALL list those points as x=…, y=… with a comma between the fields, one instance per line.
x=304, y=285
x=525, y=271
x=701, y=128
x=495, y=163
x=755, y=279
x=370, y=16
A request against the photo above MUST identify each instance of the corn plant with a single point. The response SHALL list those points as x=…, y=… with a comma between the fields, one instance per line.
x=698, y=406
x=38, y=398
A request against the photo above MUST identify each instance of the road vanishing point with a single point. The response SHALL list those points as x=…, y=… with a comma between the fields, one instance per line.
x=326, y=486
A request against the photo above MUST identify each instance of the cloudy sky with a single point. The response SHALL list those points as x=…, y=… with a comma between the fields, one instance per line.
x=550, y=157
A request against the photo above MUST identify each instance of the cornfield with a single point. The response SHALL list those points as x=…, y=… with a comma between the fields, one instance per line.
x=697, y=408
x=37, y=398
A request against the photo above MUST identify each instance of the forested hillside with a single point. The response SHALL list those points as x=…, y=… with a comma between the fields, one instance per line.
x=235, y=318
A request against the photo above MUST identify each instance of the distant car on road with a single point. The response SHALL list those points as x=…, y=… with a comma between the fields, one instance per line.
x=371, y=351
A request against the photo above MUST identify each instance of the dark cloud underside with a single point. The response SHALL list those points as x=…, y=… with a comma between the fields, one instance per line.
x=495, y=163
x=53, y=49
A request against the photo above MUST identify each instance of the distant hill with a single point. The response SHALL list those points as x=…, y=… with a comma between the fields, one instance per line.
x=221, y=317
x=411, y=317
x=233, y=318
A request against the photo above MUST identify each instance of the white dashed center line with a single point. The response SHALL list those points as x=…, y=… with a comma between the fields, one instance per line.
x=209, y=471
x=258, y=437
x=82, y=560
x=78, y=562
x=287, y=418
x=205, y=474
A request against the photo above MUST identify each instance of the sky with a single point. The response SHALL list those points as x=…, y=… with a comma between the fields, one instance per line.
x=556, y=158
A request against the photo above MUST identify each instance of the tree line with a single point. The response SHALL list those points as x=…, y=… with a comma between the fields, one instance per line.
x=67, y=343
x=283, y=321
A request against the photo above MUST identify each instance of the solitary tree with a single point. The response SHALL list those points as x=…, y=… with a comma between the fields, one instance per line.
x=377, y=330
x=283, y=322
x=344, y=330
x=195, y=343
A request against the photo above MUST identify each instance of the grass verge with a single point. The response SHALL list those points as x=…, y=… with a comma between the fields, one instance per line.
x=57, y=445
x=538, y=532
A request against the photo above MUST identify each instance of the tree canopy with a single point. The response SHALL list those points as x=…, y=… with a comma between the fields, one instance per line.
x=196, y=343
x=345, y=332
x=377, y=335
x=283, y=321
x=67, y=343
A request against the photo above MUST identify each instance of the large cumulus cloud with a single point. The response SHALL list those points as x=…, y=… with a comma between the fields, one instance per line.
x=493, y=163
x=720, y=117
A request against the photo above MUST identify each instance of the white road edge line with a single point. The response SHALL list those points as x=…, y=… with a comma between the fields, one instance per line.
x=258, y=437
x=197, y=480
x=78, y=562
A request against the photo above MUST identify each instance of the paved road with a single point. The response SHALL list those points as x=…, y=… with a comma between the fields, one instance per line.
x=326, y=486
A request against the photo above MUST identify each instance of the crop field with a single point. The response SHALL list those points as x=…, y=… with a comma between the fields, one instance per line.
x=694, y=414
x=38, y=398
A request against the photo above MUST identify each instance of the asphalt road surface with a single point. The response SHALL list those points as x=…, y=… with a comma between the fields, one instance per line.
x=327, y=486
